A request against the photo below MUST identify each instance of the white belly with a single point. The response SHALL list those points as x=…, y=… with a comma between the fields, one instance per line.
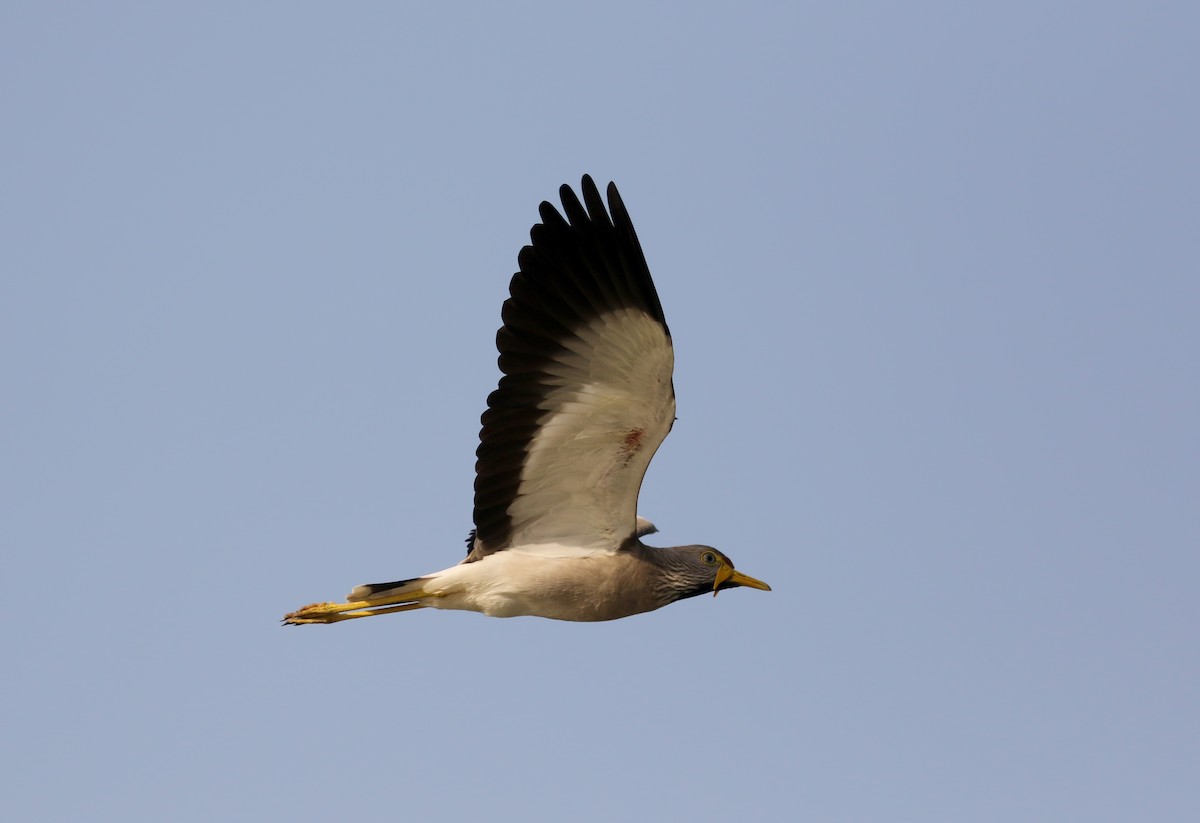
x=512, y=583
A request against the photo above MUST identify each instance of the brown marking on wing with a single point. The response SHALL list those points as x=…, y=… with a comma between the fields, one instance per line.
x=633, y=442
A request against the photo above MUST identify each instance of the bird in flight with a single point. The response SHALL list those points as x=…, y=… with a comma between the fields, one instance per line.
x=585, y=400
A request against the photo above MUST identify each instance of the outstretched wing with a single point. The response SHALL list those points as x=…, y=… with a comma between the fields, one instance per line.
x=586, y=397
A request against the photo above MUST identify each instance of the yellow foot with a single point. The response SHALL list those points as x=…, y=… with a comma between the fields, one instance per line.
x=335, y=612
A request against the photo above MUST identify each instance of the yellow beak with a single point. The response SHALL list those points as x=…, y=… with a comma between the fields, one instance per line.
x=728, y=574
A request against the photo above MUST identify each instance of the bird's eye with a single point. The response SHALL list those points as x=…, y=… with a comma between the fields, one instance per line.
x=709, y=558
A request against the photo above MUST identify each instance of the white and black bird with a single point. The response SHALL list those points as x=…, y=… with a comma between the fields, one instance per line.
x=585, y=399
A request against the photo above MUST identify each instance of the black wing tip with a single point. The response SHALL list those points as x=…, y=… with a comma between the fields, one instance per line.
x=605, y=226
x=589, y=193
x=587, y=186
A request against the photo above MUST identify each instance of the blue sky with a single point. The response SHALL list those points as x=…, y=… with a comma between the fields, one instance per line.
x=932, y=275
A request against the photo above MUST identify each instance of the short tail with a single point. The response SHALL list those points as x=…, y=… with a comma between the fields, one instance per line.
x=397, y=588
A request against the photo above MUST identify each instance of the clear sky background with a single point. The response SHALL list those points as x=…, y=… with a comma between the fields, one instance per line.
x=933, y=275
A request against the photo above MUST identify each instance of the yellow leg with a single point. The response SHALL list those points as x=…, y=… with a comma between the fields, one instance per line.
x=336, y=612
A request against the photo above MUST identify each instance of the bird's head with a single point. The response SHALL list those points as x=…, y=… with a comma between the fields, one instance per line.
x=703, y=569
